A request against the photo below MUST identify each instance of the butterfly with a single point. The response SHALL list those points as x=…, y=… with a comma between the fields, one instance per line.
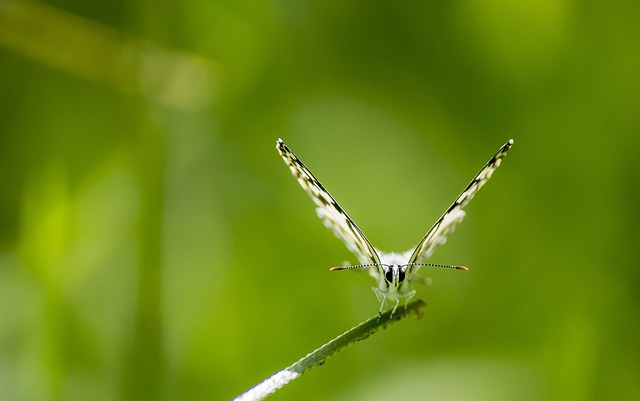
x=394, y=272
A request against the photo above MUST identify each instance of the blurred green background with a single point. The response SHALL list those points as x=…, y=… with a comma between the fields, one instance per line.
x=153, y=245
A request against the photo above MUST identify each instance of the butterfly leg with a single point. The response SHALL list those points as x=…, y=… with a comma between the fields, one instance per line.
x=382, y=297
x=396, y=306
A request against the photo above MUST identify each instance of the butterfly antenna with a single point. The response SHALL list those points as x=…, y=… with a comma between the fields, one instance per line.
x=436, y=265
x=354, y=266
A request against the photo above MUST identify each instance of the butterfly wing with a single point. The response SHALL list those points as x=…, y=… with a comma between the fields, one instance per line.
x=333, y=216
x=449, y=220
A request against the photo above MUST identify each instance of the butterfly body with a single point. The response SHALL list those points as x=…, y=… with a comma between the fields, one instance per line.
x=393, y=283
x=394, y=272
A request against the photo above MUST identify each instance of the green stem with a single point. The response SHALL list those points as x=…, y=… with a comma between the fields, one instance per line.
x=320, y=355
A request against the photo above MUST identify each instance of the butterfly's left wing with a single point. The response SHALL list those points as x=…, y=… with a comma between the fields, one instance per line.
x=447, y=222
x=333, y=216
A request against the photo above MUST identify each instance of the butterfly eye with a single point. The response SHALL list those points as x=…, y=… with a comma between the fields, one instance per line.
x=401, y=276
x=388, y=275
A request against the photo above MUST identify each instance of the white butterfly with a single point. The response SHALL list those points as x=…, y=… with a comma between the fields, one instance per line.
x=394, y=272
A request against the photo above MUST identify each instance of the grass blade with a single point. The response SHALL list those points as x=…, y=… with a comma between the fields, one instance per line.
x=320, y=355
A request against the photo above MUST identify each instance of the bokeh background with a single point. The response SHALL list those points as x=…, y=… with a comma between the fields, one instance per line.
x=153, y=246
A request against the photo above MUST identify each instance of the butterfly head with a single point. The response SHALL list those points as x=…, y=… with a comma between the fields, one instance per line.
x=394, y=274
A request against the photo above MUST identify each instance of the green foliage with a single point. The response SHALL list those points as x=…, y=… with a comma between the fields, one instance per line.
x=153, y=245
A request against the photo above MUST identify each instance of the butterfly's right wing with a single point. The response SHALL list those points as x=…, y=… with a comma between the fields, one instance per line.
x=333, y=216
x=449, y=220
